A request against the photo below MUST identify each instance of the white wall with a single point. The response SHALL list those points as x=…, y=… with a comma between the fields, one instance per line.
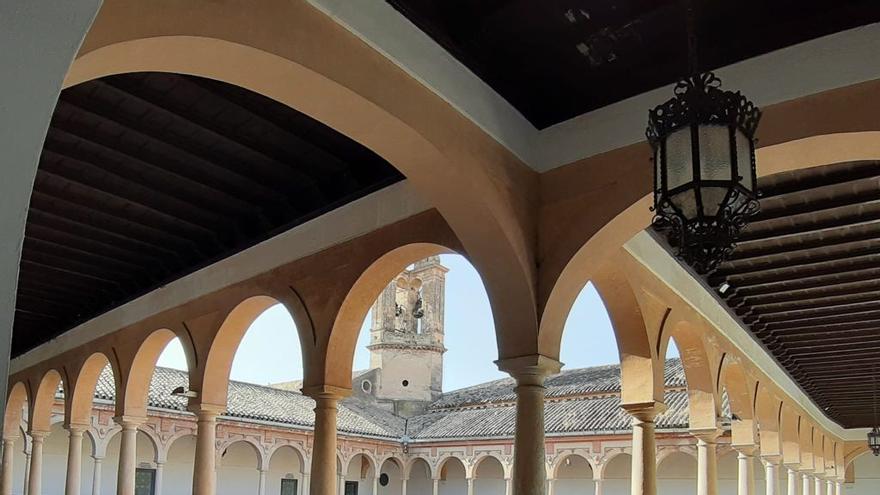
x=617, y=475
x=284, y=464
x=452, y=479
x=238, y=473
x=178, y=470
x=490, y=478
x=395, y=485
x=677, y=475
x=360, y=470
x=867, y=470
x=420, y=482
x=574, y=476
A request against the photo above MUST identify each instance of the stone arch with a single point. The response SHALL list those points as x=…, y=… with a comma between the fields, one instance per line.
x=468, y=176
x=554, y=467
x=677, y=472
x=392, y=458
x=413, y=460
x=446, y=459
x=475, y=465
x=767, y=411
x=735, y=381
x=212, y=379
x=297, y=450
x=359, y=299
x=788, y=432
x=78, y=409
x=704, y=404
x=255, y=446
x=136, y=388
x=616, y=471
x=44, y=398
x=155, y=441
x=17, y=400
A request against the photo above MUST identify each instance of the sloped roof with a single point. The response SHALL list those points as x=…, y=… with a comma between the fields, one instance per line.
x=577, y=405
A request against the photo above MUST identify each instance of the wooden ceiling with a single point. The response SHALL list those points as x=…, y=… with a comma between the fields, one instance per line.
x=556, y=59
x=147, y=177
x=805, y=279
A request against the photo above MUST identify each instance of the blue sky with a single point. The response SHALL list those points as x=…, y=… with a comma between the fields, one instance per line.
x=270, y=351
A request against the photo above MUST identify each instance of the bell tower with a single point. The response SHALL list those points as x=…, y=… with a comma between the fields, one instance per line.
x=406, y=338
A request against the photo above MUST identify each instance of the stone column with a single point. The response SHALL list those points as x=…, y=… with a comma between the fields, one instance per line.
x=402, y=487
x=598, y=490
x=375, y=483
x=470, y=486
x=644, y=448
x=829, y=487
x=819, y=485
x=8, y=475
x=436, y=488
x=838, y=488
x=160, y=478
x=36, y=477
x=508, y=487
x=745, y=484
x=529, y=473
x=261, y=486
x=771, y=474
x=97, y=474
x=27, y=471
x=551, y=490
x=807, y=484
x=323, y=469
x=74, y=458
x=305, y=484
x=707, y=461
x=792, y=480
x=340, y=485
x=127, y=454
x=205, y=465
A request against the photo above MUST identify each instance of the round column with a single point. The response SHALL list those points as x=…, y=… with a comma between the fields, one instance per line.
x=470, y=486
x=792, y=480
x=27, y=471
x=323, y=469
x=402, y=486
x=159, y=479
x=8, y=474
x=529, y=475
x=644, y=447
x=74, y=459
x=707, y=462
x=598, y=489
x=436, y=487
x=204, y=468
x=745, y=476
x=807, y=484
x=261, y=486
x=36, y=475
x=96, y=475
x=819, y=486
x=127, y=454
x=771, y=474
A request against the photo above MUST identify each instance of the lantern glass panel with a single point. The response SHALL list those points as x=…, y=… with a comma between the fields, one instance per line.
x=744, y=160
x=679, y=156
x=715, y=155
x=712, y=199
x=686, y=202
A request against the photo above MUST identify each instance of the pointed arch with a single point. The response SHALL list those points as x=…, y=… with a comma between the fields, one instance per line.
x=14, y=414
x=704, y=400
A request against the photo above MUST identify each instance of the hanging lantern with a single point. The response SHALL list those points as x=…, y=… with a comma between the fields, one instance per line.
x=704, y=169
x=874, y=441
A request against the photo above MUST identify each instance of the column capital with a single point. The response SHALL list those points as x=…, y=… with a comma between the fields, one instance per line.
x=774, y=459
x=748, y=450
x=76, y=428
x=206, y=411
x=38, y=435
x=707, y=435
x=129, y=421
x=326, y=392
x=645, y=411
x=529, y=370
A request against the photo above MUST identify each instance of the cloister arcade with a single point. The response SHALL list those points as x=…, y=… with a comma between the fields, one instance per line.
x=538, y=219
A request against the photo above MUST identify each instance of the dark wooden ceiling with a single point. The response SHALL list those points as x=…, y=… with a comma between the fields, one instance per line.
x=556, y=59
x=147, y=177
x=805, y=279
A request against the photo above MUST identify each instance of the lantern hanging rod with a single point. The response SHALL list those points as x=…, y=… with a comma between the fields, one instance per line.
x=691, y=26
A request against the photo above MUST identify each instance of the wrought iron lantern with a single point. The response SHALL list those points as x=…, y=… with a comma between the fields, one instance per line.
x=704, y=168
x=874, y=440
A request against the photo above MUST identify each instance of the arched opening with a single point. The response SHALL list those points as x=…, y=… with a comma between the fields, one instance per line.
x=420, y=478
x=865, y=475
x=617, y=474
x=489, y=477
x=588, y=326
x=238, y=469
x=55, y=447
x=390, y=477
x=728, y=469
x=179, y=465
x=146, y=456
x=574, y=476
x=452, y=476
x=362, y=475
x=677, y=475
x=285, y=473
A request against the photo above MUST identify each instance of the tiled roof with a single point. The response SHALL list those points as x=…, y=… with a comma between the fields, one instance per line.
x=578, y=405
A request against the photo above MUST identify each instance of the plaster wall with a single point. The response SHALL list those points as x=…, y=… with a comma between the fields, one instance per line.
x=490, y=478
x=285, y=464
x=178, y=470
x=420, y=482
x=238, y=473
x=417, y=367
x=677, y=475
x=867, y=468
x=359, y=472
x=574, y=477
x=617, y=475
x=145, y=457
x=452, y=479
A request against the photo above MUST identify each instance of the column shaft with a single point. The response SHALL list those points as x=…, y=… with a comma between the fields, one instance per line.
x=707, y=467
x=792, y=481
x=74, y=459
x=550, y=488
x=771, y=477
x=528, y=450
x=96, y=476
x=829, y=487
x=36, y=475
x=807, y=484
x=644, y=458
x=470, y=486
x=819, y=485
x=127, y=455
x=27, y=472
x=8, y=475
x=436, y=488
x=745, y=473
x=305, y=484
x=402, y=487
x=160, y=478
x=261, y=486
x=324, y=476
x=598, y=490
x=204, y=468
